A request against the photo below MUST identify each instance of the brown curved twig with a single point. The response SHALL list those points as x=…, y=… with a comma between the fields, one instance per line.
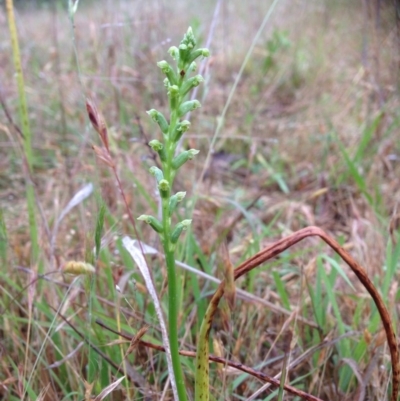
x=285, y=243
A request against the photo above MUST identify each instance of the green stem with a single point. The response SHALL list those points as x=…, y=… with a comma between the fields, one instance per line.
x=173, y=307
x=173, y=310
x=169, y=250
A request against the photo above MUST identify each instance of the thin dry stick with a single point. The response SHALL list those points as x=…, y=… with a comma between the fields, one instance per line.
x=285, y=243
x=132, y=375
x=306, y=355
x=8, y=114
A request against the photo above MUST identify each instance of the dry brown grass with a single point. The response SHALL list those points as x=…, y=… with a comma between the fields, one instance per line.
x=340, y=72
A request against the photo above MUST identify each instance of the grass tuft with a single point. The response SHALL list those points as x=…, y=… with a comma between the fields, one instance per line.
x=298, y=127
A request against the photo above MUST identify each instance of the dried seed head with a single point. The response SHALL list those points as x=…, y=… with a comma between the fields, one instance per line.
x=230, y=288
x=98, y=122
x=103, y=155
x=218, y=351
x=77, y=268
x=136, y=339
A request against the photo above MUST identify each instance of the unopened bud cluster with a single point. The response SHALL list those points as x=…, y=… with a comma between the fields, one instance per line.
x=179, y=82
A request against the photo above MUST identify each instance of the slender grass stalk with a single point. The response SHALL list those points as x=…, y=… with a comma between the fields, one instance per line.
x=61, y=101
x=221, y=120
x=178, y=83
x=49, y=332
x=27, y=137
x=3, y=238
x=28, y=162
x=72, y=9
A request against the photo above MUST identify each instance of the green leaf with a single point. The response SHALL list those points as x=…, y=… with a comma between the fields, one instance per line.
x=99, y=229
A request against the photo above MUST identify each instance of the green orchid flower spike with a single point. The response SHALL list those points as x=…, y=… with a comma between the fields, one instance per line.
x=179, y=81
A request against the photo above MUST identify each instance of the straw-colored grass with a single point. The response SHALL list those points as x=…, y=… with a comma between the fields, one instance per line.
x=311, y=137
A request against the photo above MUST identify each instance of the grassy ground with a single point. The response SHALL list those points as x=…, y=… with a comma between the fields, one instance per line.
x=311, y=137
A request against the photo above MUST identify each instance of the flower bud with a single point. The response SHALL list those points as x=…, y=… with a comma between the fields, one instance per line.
x=191, y=83
x=188, y=39
x=174, y=200
x=198, y=53
x=156, y=172
x=168, y=71
x=190, y=105
x=183, y=157
x=159, y=119
x=173, y=93
x=158, y=147
x=154, y=223
x=174, y=52
x=180, y=129
x=184, y=54
x=183, y=225
x=192, y=67
x=163, y=187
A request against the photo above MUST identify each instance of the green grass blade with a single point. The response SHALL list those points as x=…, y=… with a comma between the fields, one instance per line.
x=3, y=238
x=339, y=269
x=99, y=229
x=280, y=288
x=354, y=173
x=366, y=138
